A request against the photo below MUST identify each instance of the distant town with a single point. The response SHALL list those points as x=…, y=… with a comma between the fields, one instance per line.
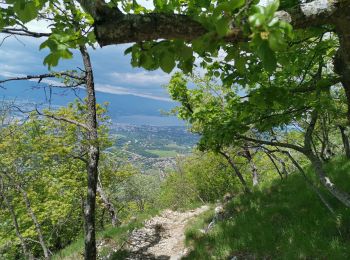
x=153, y=147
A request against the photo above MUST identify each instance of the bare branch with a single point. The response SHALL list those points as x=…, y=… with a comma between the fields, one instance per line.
x=42, y=76
x=273, y=143
x=64, y=119
x=24, y=32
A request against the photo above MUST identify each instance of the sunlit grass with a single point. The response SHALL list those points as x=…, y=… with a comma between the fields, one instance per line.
x=285, y=221
x=116, y=235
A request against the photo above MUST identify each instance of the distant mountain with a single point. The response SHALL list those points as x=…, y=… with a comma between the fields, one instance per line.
x=127, y=109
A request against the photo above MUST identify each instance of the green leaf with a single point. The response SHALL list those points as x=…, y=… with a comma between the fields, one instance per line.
x=222, y=26
x=158, y=4
x=228, y=6
x=167, y=62
x=186, y=52
x=146, y=61
x=26, y=11
x=272, y=8
x=267, y=56
x=52, y=59
x=276, y=40
x=234, y=4
x=128, y=50
x=186, y=66
x=240, y=65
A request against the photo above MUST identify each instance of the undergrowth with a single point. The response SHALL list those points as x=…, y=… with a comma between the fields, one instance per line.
x=284, y=221
x=113, y=236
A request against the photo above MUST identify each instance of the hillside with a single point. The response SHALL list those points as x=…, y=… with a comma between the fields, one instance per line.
x=122, y=122
x=285, y=220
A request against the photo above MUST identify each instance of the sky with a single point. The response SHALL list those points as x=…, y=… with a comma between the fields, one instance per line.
x=113, y=73
x=20, y=56
x=115, y=78
x=112, y=69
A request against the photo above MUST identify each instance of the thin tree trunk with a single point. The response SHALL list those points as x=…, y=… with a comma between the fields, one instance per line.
x=342, y=196
x=309, y=182
x=15, y=223
x=284, y=167
x=36, y=223
x=107, y=204
x=345, y=141
x=31, y=214
x=236, y=170
x=274, y=163
x=93, y=158
x=255, y=173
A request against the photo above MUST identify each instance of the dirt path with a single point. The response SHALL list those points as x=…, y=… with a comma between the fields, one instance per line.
x=162, y=237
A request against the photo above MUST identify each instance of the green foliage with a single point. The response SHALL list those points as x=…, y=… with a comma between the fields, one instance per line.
x=200, y=178
x=285, y=220
x=40, y=155
x=113, y=237
x=72, y=28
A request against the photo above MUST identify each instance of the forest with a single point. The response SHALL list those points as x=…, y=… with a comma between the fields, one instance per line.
x=265, y=85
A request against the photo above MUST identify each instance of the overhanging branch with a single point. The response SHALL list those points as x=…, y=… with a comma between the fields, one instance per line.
x=273, y=143
x=114, y=27
x=24, y=32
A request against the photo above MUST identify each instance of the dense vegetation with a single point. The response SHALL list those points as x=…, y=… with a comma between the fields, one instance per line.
x=274, y=100
x=285, y=220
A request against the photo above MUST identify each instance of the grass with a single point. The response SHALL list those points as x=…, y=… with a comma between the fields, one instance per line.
x=163, y=153
x=114, y=235
x=284, y=221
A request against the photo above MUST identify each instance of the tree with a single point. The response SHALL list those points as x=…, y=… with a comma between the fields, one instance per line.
x=224, y=118
x=253, y=38
x=41, y=175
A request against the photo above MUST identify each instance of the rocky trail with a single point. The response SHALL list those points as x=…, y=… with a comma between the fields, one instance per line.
x=162, y=237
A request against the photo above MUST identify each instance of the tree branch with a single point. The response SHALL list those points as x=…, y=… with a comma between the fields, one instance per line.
x=42, y=76
x=285, y=145
x=64, y=119
x=114, y=27
x=24, y=32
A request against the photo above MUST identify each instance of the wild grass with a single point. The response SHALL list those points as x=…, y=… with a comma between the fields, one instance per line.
x=114, y=235
x=285, y=221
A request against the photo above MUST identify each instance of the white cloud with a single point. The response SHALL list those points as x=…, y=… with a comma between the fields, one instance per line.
x=10, y=55
x=39, y=26
x=146, y=3
x=8, y=71
x=141, y=78
x=106, y=88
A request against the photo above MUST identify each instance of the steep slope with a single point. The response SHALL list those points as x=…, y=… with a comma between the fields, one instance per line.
x=285, y=220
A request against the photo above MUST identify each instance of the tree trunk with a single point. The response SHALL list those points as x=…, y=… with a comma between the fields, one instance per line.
x=255, y=173
x=309, y=182
x=107, y=204
x=284, y=167
x=15, y=223
x=274, y=163
x=36, y=222
x=93, y=158
x=345, y=141
x=236, y=170
x=343, y=197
